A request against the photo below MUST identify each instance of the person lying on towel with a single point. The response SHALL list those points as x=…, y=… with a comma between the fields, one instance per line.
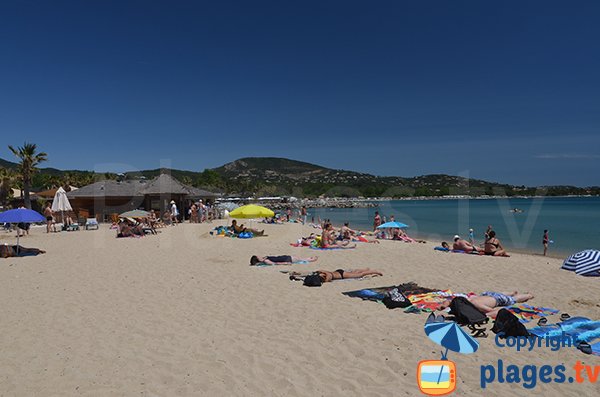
x=463, y=245
x=10, y=251
x=491, y=302
x=341, y=274
x=279, y=260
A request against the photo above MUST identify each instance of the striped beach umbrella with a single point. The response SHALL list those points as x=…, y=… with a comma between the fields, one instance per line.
x=584, y=263
x=450, y=335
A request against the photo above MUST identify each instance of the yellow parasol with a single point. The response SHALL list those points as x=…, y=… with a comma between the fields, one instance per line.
x=251, y=211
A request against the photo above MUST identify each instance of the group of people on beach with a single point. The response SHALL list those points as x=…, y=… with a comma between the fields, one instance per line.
x=488, y=302
x=491, y=245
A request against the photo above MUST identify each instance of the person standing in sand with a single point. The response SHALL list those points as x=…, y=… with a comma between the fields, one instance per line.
x=49, y=217
x=471, y=237
x=545, y=241
x=376, y=221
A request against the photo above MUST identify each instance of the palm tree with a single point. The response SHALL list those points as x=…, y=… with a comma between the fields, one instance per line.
x=7, y=181
x=28, y=165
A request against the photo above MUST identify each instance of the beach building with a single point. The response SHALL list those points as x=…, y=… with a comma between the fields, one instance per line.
x=105, y=198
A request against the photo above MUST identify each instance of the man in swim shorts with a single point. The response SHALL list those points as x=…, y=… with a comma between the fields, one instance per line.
x=491, y=302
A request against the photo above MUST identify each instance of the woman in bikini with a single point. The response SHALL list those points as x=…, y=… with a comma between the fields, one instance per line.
x=493, y=247
x=339, y=274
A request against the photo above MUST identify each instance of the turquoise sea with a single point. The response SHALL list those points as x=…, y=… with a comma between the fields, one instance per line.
x=573, y=222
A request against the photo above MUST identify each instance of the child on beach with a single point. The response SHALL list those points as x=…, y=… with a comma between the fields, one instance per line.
x=545, y=241
x=471, y=237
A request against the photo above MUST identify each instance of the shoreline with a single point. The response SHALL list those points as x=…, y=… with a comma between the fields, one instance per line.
x=372, y=202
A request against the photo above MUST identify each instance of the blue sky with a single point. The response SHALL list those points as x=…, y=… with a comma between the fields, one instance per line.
x=505, y=91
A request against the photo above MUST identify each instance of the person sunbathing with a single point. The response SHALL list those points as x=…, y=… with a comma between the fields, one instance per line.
x=279, y=260
x=341, y=274
x=491, y=302
x=463, y=245
x=493, y=247
x=126, y=229
x=10, y=251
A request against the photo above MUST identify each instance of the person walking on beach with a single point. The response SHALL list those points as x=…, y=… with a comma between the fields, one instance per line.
x=174, y=213
x=48, y=214
x=376, y=221
x=545, y=241
x=471, y=237
x=303, y=213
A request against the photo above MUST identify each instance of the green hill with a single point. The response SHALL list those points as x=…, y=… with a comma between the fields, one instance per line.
x=279, y=176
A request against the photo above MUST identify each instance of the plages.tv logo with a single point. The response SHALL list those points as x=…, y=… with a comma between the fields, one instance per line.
x=438, y=377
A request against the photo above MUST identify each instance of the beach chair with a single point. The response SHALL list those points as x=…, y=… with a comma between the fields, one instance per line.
x=91, y=223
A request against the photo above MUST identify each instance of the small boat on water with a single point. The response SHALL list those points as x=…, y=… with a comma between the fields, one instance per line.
x=516, y=211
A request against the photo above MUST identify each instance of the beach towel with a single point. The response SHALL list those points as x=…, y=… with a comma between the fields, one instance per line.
x=262, y=264
x=526, y=313
x=580, y=329
x=422, y=299
x=330, y=248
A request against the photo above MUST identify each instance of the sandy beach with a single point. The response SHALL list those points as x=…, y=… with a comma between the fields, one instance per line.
x=183, y=314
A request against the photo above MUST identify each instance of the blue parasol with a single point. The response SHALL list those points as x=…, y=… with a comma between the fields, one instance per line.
x=584, y=263
x=21, y=215
x=392, y=225
x=450, y=335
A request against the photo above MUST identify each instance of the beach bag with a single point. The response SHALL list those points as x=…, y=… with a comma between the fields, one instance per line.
x=465, y=312
x=395, y=298
x=313, y=280
x=507, y=324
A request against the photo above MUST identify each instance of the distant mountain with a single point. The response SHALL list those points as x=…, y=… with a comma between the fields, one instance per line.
x=277, y=175
x=7, y=164
x=280, y=176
